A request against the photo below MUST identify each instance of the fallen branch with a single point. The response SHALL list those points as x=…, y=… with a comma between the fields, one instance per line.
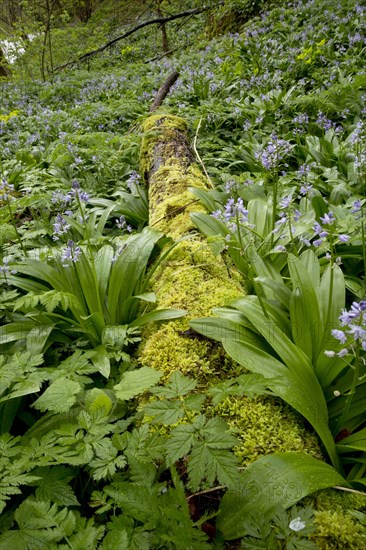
x=158, y=21
x=164, y=90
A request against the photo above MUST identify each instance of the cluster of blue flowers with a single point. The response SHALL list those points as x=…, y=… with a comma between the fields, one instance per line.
x=273, y=155
x=353, y=334
x=70, y=253
x=5, y=189
x=322, y=233
x=234, y=212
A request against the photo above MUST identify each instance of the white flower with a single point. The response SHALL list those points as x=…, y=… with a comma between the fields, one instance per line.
x=296, y=524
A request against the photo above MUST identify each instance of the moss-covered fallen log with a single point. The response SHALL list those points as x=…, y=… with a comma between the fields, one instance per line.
x=195, y=279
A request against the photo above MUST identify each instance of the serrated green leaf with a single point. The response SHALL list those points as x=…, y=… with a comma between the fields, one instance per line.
x=59, y=396
x=165, y=412
x=177, y=385
x=180, y=442
x=57, y=492
x=135, y=382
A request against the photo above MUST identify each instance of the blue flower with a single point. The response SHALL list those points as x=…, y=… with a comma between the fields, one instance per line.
x=339, y=335
x=328, y=219
x=70, y=253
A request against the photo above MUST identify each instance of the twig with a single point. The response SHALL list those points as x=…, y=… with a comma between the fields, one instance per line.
x=347, y=490
x=158, y=21
x=199, y=158
x=218, y=488
x=163, y=91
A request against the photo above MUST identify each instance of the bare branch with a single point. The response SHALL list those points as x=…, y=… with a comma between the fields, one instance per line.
x=158, y=21
x=164, y=90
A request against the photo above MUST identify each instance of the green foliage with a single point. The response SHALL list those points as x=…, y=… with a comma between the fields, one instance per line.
x=278, y=479
x=84, y=432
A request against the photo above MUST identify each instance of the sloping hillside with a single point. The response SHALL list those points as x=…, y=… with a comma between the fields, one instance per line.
x=183, y=311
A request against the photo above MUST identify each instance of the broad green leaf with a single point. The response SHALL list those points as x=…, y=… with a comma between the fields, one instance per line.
x=147, y=297
x=158, y=315
x=103, y=264
x=135, y=382
x=16, y=331
x=354, y=442
x=59, y=396
x=97, y=400
x=260, y=216
x=295, y=382
x=209, y=226
x=300, y=390
x=301, y=326
x=37, y=338
x=275, y=480
x=100, y=359
x=282, y=292
x=307, y=328
x=88, y=281
x=127, y=273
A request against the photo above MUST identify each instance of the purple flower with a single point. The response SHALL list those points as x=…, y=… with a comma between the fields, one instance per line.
x=306, y=189
x=134, y=179
x=272, y=155
x=285, y=202
x=328, y=219
x=60, y=227
x=356, y=206
x=70, y=253
x=339, y=335
x=344, y=238
x=5, y=189
x=121, y=223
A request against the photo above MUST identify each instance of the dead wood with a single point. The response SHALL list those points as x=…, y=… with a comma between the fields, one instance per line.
x=157, y=21
x=164, y=90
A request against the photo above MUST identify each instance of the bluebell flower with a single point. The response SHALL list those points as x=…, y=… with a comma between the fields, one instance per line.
x=70, y=253
x=60, y=227
x=121, y=223
x=339, y=335
x=285, y=202
x=328, y=219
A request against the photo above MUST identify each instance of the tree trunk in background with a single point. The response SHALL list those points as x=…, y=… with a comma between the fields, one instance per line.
x=195, y=279
x=4, y=71
x=164, y=34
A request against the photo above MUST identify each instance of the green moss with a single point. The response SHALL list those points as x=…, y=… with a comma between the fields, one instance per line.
x=335, y=526
x=160, y=129
x=264, y=426
x=338, y=530
x=162, y=121
x=194, y=279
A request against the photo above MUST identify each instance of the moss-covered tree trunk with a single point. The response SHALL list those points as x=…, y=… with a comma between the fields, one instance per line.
x=196, y=280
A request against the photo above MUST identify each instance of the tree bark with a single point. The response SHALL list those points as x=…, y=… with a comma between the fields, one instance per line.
x=164, y=90
x=4, y=71
x=164, y=34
